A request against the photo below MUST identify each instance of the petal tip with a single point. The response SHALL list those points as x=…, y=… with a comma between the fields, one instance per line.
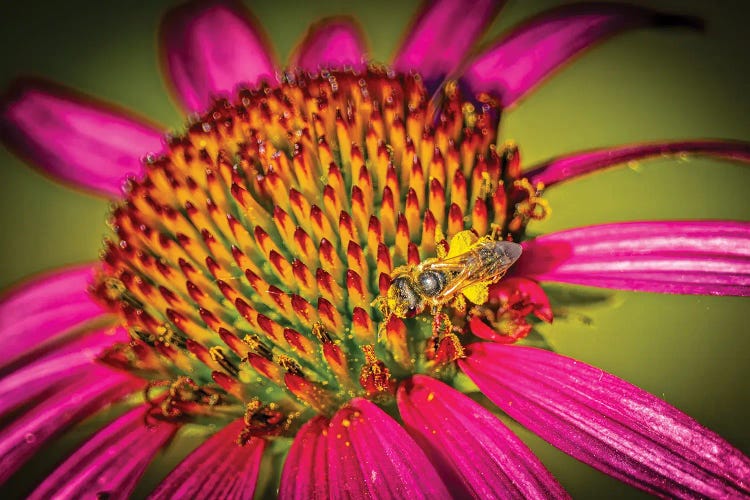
x=332, y=41
x=210, y=48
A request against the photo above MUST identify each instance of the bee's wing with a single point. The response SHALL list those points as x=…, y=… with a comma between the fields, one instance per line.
x=457, y=263
x=459, y=270
x=505, y=254
x=469, y=268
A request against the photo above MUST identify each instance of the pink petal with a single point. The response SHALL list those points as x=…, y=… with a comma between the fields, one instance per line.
x=75, y=139
x=45, y=311
x=111, y=462
x=94, y=388
x=585, y=162
x=305, y=473
x=370, y=455
x=691, y=257
x=475, y=453
x=608, y=423
x=484, y=331
x=523, y=292
x=219, y=468
x=55, y=370
x=522, y=59
x=211, y=47
x=442, y=34
x=332, y=43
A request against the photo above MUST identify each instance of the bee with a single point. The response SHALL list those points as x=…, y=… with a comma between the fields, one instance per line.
x=466, y=272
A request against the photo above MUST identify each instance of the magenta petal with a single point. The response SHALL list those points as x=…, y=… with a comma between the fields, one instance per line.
x=218, y=468
x=305, y=473
x=526, y=292
x=442, y=34
x=371, y=456
x=92, y=389
x=608, y=423
x=691, y=257
x=475, y=453
x=585, y=162
x=484, y=331
x=74, y=139
x=332, y=43
x=522, y=59
x=58, y=368
x=44, y=311
x=211, y=47
x=111, y=462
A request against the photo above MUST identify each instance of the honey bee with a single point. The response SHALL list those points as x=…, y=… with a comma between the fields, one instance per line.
x=464, y=273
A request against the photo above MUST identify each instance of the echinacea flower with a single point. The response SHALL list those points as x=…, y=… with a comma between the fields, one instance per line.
x=236, y=290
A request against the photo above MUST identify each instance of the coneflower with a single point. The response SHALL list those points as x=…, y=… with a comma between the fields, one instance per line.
x=239, y=288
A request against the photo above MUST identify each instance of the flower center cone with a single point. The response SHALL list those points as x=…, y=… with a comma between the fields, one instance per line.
x=246, y=262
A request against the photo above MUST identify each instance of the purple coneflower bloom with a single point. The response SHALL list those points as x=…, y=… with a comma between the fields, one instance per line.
x=236, y=290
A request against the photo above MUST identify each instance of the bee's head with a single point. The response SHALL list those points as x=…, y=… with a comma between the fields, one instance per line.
x=402, y=298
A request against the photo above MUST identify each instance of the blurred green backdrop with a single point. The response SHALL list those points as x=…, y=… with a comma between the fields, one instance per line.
x=644, y=85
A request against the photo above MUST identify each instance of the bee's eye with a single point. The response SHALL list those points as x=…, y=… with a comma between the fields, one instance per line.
x=431, y=282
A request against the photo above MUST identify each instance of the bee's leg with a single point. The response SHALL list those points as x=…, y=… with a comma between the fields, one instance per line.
x=381, y=305
x=441, y=324
x=459, y=303
x=435, y=312
x=382, y=328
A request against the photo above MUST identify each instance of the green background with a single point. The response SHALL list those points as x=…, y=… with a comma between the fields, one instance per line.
x=641, y=86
